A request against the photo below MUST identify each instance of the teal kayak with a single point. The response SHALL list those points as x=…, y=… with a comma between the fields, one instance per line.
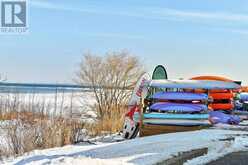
x=171, y=116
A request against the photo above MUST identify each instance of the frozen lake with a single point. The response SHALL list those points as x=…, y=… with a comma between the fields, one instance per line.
x=6, y=87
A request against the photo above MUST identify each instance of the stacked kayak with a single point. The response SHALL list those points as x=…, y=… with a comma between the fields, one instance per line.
x=160, y=105
x=174, y=112
x=216, y=117
x=174, y=106
x=222, y=98
x=243, y=96
x=242, y=101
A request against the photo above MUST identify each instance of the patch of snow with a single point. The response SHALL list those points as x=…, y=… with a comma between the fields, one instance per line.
x=140, y=151
x=54, y=103
x=107, y=139
x=221, y=149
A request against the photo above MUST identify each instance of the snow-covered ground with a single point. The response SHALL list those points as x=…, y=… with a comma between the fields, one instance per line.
x=142, y=151
x=64, y=104
x=220, y=141
x=49, y=103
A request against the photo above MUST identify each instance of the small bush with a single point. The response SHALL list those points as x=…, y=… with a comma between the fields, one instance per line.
x=24, y=137
x=109, y=124
x=113, y=77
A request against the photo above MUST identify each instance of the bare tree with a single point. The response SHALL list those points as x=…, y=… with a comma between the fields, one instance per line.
x=112, y=77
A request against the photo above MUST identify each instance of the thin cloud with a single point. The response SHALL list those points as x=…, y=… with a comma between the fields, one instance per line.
x=202, y=15
x=238, y=31
x=152, y=14
x=97, y=11
x=242, y=32
x=49, y=5
x=148, y=13
x=114, y=35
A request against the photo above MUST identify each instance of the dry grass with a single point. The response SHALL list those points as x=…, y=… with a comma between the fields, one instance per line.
x=24, y=136
x=23, y=116
x=30, y=126
x=109, y=124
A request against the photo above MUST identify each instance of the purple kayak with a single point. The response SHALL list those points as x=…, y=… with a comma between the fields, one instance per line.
x=243, y=96
x=177, y=107
x=216, y=117
x=180, y=96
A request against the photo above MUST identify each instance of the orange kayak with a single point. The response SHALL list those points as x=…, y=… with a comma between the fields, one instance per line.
x=222, y=106
x=218, y=95
x=221, y=96
x=216, y=78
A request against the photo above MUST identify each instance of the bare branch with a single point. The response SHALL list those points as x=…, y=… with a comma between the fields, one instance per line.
x=114, y=73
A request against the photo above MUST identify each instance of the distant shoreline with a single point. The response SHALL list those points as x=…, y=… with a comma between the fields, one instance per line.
x=6, y=87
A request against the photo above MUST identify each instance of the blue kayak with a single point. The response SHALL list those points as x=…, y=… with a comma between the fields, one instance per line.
x=179, y=124
x=180, y=96
x=243, y=96
x=177, y=107
x=219, y=117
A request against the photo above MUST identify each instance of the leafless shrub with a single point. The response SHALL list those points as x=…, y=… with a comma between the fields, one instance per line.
x=42, y=133
x=15, y=138
x=112, y=77
x=4, y=152
x=30, y=126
